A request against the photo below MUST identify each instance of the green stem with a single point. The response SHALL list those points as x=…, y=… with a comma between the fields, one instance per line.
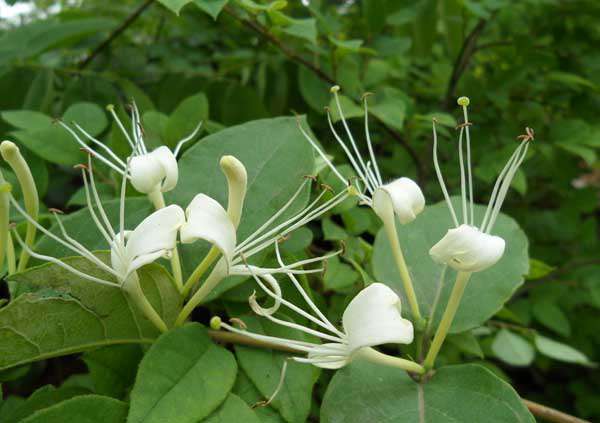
x=157, y=199
x=11, y=154
x=4, y=218
x=133, y=289
x=390, y=230
x=218, y=273
x=462, y=278
x=375, y=356
x=212, y=255
x=10, y=255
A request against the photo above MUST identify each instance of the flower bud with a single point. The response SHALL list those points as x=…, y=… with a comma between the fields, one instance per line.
x=402, y=197
x=467, y=249
x=155, y=171
x=237, y=181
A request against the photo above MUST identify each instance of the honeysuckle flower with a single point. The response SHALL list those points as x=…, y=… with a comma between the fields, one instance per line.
x=152, y=239
x=402, y=197
x=372, y=318
x=150, y=172
x=467, y=247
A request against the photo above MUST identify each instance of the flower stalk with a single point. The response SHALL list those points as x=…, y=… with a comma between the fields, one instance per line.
x=11, y=154
x=5, y=189
x=374, y=356
x=134, y=291
x=462, y=278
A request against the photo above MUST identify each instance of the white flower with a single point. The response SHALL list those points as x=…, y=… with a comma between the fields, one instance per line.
x=149, y=171
x=152, y=239
x=372, y=318
x=402, y=196
x=466, y=247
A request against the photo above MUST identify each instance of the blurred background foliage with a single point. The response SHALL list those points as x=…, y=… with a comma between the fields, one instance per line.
x=527, y=63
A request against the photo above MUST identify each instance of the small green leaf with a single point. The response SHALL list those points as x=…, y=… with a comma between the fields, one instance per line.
x=174, y=6
x=466, y=342
x=512, y=348
x=82, y=409
x=212, y=7
x=233, y=409
x=185, y=118
x=349, y=109
x=551, y=316
x=332, y=231
x=182, y=378
x=538, y=269
x=339, y=276
x=559, y=351
x=87, y=115
x=26, y=119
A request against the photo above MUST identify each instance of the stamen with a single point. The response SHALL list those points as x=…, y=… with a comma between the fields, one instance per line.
x=186, y=139
x=277, y=389
x=441, y=178
x=88, y=199
x=111, y=109
x=289, y=343
x=97, y=198
x=469, y=172
x=463, y=191
x=368, y=136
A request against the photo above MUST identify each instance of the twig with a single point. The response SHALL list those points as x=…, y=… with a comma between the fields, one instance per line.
x=115, y=33
x=462, y=61
x=294, y=56
x=550, y=414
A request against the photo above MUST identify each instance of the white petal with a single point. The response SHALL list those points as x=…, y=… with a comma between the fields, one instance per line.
x=208, y=220
x=373, y=318
x=156, y=170
x=328, y=352
x=156, y=233
x=402, y=196
x=169, y=164
x=468, y=249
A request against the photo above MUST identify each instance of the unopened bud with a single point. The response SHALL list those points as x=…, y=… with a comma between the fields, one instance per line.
x=237, y=181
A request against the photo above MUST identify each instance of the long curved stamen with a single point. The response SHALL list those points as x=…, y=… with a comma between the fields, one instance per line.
x=61, y=263
x=357, y=168
x=136, y=129
x=441, y=178
x=335, y=90
x=93, y=214
x=289, y=343
x=111, y=110
x=186, y=139
x=463, y=191
x=369, y=144
x=101, y=145
x=469, y=170
x=322, y=154
x=504, y=189
x=101, y=211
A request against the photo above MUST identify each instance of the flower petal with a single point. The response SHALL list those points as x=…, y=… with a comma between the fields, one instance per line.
x=156, y=233
x=468, y=249
x=208, y=220
x=373, y=318
x=324, y=355
x=403, y=196
x=154, y=171
x=167, y=160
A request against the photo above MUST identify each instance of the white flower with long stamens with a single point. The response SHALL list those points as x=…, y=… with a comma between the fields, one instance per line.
x=150, y=172
x=466, y=247
x=372, y=318
x=402, y=197
x=153, y=238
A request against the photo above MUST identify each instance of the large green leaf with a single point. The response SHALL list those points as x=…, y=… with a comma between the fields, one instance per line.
x=77, y=314
x=366, y=392
x=264, y=367
x=183, y=378
x=233, y=409
x=82, y=409
x=112, y=369
x=271, y=150
x=486, y=292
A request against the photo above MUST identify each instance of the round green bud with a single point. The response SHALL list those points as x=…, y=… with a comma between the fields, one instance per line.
x=215, y=323
x=463, y=101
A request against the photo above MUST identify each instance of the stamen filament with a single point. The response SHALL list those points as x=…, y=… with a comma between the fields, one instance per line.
x=463, y=191
x=369, y=144
x=441, y=178
x=323, y=155
x=182, y=142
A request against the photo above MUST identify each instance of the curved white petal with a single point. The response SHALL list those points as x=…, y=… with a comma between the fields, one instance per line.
x=167, y=160
x=468, y=249
x=154, y=171
x=155, y=235
x=402, y=196
x=330, y=356
x=373, y=318
x=208, y=220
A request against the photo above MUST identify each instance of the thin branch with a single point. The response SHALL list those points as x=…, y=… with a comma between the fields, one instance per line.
x=462, y=61
x=115, y=33
x=550, y=414
x=296, y=57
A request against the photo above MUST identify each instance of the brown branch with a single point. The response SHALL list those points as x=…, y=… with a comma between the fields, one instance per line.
x=115, y=33
x=550, y=414
x=462, y=61
x=296, y=57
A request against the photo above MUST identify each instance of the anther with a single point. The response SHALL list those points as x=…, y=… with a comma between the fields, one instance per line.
x=310, y=177
x=463, y=125
x=55, y=210
x=80, y=166
x=239, y=322
x=326, y=187
x=365, y=95
x=283, y=238
x=528, y=136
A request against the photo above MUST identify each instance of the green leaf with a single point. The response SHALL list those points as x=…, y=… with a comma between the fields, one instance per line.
x=349, y=109
x=82, y=409
x=78, y=314
x=212, y=7
x=338, y=275
x=112, y=369
x=559, y=351
x=233, y=409
x=87, y=115
x=390, y=107
x=186, y=117
x=314, y=90
x=332, y=231
x=26, y=119
x=571, y=80
x=246, y=390
x=174, y=6
x=551, y=316
x=466, y=342
x=270, y=149
x=586, y=153
x=486, y=292
x=366, y=392
x=263, y=367
x=512, y=348
x=538, y=269
x=43, y=397
x=183, y=378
